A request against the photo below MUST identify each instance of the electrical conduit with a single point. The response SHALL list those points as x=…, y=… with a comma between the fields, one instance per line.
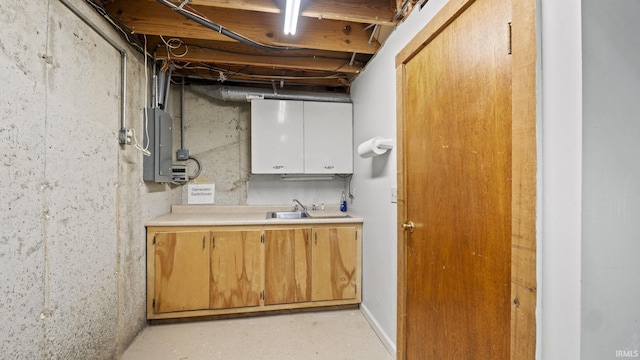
x=122, y=137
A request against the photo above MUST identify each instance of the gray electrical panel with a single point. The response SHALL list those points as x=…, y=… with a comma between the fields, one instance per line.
x=157, y=167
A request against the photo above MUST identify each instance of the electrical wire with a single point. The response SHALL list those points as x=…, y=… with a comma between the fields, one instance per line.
x=116, y=24
x=137, y=145
x=191, y=177
x=348, y=179
x=202, y=20
x=170, y=45
x=203, y=66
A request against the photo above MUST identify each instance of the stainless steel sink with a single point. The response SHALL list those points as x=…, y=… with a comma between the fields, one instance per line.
x=287, y=215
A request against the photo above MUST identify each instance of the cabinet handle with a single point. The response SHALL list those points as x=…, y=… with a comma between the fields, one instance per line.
x=316, y=238
x=213, y=243
x=204, y=238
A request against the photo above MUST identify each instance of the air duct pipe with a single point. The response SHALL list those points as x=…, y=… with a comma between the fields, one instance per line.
x=242, y=94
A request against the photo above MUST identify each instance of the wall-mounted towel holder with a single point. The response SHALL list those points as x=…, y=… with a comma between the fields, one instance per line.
x=374, y=147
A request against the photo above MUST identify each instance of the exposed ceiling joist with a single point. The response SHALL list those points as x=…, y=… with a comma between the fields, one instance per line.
x=235, y=54
x=379, y=12
x=334, y=41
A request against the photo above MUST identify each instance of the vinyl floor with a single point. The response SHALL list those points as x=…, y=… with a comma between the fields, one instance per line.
x=323, y=335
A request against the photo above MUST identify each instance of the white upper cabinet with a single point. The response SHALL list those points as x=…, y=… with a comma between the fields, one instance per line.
x=328, y=138
x=296, y=137
x=277, y=129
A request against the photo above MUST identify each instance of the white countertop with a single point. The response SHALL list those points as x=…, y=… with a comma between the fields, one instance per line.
x=211, y=215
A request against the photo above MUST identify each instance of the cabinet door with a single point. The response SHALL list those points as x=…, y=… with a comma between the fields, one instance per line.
x=277, y=137
x=334, y=263
x=236, y=269
x=181, y=271
x=328, y=138
x=287, y=266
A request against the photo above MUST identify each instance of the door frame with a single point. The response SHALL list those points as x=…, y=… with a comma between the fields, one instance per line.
x=524, y=152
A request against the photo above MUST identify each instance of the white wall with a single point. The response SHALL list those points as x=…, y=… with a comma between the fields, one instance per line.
x=560, y=159
x=611, y=178
x=374, y=102
x=72, y=242
x=560, y=177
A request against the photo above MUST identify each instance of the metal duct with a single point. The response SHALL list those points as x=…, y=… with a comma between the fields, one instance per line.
x=242, y=94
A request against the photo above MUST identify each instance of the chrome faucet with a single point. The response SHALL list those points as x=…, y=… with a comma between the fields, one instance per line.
x=304, y=208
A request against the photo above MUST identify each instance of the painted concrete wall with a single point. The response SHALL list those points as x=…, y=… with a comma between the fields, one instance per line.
x=72, y=257
x=611, y=177
x=374, y=101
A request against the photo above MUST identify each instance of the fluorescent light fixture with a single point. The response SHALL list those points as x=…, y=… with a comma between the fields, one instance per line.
x=291, y=17
x=302, y=177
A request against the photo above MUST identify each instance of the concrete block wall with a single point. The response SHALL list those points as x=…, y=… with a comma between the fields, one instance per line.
x=72, y=254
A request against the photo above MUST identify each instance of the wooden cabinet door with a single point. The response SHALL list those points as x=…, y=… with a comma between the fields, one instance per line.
x=236, y=269
x=287, y=266
x=277, y=137
x=328, y=138
x=334, y=263
x=181, y=271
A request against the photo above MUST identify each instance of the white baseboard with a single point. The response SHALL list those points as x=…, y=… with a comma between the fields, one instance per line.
x=388, y=343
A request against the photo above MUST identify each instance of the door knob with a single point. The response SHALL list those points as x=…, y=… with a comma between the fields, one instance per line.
x=408, y=226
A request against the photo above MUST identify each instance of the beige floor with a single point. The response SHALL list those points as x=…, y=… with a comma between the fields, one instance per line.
x=326, y=335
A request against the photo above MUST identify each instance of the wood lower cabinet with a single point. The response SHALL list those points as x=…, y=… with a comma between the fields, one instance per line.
x=236, y=269
x=334, y=263
x=288, y=266
x=181, y=261
x=221, y=270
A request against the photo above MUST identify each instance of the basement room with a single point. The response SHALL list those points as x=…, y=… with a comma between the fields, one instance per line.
x=319, y=179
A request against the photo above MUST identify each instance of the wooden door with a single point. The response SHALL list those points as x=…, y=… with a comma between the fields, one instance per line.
x=457, y=189
x=287, y=266
x=333, y=258
x=181, y=271
x=236, y=269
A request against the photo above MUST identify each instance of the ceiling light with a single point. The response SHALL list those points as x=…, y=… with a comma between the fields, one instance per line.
x=291, y=17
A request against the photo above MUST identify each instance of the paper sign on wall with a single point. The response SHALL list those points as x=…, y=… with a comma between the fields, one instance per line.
x=201, y=193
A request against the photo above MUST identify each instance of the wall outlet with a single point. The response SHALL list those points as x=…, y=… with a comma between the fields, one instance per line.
x=394, y=194
x=125, y=135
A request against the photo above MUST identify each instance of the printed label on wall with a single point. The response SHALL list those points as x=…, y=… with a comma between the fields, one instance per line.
x=201, y=193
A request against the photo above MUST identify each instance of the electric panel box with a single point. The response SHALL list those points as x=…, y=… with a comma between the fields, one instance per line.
x=158, y=166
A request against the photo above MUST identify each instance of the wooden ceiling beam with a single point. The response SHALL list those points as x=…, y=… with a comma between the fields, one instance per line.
x=379, y=12
x=208, y=55
x=151, y=18
x=335, y=82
